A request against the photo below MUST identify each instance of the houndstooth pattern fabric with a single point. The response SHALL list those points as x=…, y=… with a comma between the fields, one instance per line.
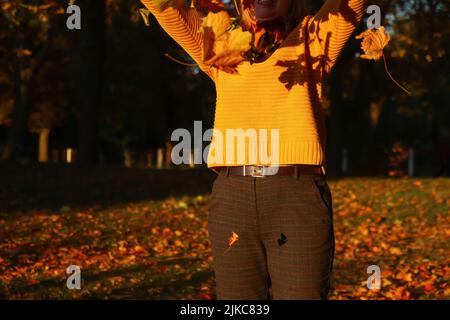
x=285, y=245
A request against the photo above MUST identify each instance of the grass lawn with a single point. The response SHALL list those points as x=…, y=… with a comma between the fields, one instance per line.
x=159, y=249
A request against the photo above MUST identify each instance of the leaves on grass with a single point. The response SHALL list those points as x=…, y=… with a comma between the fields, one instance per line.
x=161, y=249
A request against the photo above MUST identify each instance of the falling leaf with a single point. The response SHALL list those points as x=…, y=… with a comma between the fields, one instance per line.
x=145, y=13
x=24, y=52
x=233, y=238
x=282, y=240
x=374, y=41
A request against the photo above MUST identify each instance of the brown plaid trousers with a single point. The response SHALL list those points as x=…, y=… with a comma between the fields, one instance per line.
x=285, y=246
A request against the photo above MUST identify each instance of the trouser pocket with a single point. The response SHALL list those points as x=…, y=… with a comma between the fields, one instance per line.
x=324, y=195
x=323, y=191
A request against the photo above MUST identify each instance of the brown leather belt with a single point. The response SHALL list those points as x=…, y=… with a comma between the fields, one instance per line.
x=263, y=171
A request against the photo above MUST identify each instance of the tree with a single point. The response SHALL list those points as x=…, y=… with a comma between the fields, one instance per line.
x=89, y=46
x=26, y=28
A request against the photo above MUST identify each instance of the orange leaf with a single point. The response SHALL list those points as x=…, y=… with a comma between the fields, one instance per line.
x=233, y=238
x=428, y=287
x=374, y=41
x=205, y=296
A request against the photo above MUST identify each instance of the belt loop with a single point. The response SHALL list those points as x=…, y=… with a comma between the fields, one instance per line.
x=228, y=171
x=296, y=172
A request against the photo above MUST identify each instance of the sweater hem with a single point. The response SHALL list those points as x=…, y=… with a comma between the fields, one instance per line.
x=297, y=152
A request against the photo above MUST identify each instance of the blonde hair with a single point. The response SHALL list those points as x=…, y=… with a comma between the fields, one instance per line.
x=295, y=15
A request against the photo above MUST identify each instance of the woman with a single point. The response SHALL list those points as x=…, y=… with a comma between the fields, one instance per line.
x=271, y=223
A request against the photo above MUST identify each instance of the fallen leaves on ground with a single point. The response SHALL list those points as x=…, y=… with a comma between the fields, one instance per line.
x=161, y=250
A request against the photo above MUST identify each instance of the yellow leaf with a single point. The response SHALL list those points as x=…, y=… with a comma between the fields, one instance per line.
x=145, y=15
x=182, y=205
x=374, y=41
x=178, y=243
x=178, y=233
x=223, y=47
x=218, y=23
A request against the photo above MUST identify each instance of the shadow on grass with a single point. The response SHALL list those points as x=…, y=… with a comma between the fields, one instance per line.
x=154, y=285
x=54, y=186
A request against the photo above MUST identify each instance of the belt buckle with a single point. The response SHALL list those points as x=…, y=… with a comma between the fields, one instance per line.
x=257, y=171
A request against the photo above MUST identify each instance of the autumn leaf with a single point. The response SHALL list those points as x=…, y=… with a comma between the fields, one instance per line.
x=6, y=6
x=417, y=183
x=223, y=45
x=216, y=23
x=374, y=41
x=23, y=52
x=429, y=287
x=231, y=54
x=145, y=15
x=233, y=238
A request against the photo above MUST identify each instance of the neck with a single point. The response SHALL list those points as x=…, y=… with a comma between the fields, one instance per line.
x=276, y=24
x=267, y=37
x=274, y=30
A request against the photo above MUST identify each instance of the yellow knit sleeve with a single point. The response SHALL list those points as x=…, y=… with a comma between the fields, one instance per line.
x=183, y=26
x=334, y=24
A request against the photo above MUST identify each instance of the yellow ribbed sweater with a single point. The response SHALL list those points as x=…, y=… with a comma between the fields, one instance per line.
x=279, y=93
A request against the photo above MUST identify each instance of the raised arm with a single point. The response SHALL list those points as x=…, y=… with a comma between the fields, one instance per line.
x=183, y=25
x=335, y=22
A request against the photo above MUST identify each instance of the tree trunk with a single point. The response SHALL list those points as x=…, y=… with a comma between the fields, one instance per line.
x=19, y=128
x=43, y=144
x=367, y=147
x=91, y=59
